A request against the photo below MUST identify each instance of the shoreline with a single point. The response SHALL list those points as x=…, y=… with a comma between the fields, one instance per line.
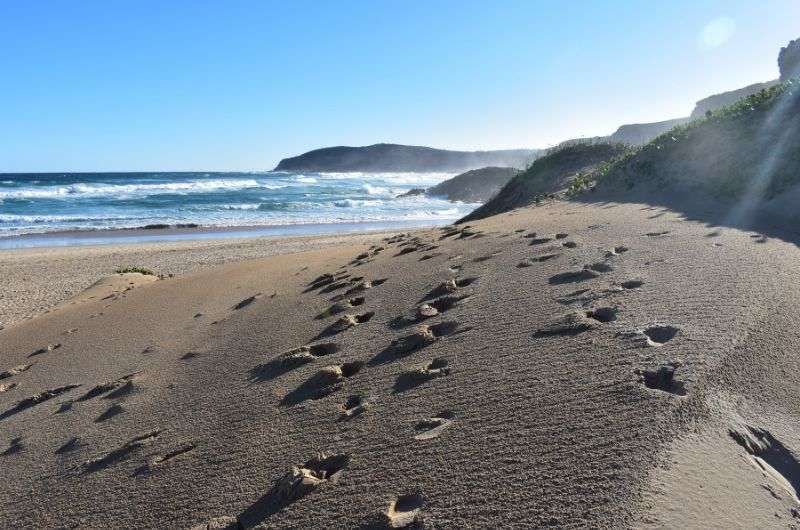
x=142, y=235
x=40, y=278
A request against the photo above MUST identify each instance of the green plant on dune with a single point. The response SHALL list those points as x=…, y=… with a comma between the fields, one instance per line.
x=749, y=147
x=140, y=270
x=567, y=169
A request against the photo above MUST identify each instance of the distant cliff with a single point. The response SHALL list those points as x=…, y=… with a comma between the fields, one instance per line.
x=393, y=157
x=717, y=101
x=477, y=185
x=630, y=134
x=789, y=60
x=641, y=133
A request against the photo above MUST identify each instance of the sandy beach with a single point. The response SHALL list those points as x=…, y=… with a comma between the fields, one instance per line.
x=569, y=365
x=39, y=279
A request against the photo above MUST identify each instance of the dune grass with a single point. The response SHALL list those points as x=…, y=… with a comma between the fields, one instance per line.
x=723, y=153
x=140, y=270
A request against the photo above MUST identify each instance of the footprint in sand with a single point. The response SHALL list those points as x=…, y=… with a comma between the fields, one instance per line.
x=599, y=267
x=424, y=336
x=326, y=280
x=568, y=325
x=540, y=240
x=404, y=512
x=71, y=445
x=658, y=334
x=121, y=453
x=573, y=277
x=438, y=367
x=450, y=286
x=569, y=244
x=307, y=354
x=603, y=314
x=616, y=251
x=114, y=410
x=341, y=306
x=445, y=303
x=663, y=379
x=430, y=428
x=322, y=280
x=363, y=286
x=528, y=262
x=341, y=284
x=47, y=349
x=407, y=250
x=427, y=310
x=487, y=257
x=290, y=360
x=246, y=302
x=65, y=406
x=631, y=284
x=128, y=388
x=355, y=406
x=104, y=388
x=657, y=234
x=36, y=399
x=15, y=371
x=155, y=462
x=305, y=478
x=359, y=287
x=346, y=322
x=325, y=382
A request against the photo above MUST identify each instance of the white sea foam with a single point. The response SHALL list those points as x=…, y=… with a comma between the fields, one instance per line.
x=99, y=189
x=357, y=203
x=259, y=198
x=305, y=180
x=236, y=206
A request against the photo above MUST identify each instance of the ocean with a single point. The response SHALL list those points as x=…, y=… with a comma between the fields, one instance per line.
x=50, y=202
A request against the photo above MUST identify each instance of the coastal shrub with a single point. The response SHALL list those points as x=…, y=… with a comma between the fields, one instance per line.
x=752, y=146
x=140, y=270
x=564, y=169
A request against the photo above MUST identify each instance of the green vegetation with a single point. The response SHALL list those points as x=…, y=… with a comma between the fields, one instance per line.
x=748, y=150
x=750, y=146
x=564, y=170
x=140, y=270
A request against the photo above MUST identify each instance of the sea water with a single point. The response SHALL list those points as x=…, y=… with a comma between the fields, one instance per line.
x=288, y=202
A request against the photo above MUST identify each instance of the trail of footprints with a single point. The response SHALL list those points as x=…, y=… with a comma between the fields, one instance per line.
x=116, y=391
x=587, y=318
x=405, y=511
x=350, y=293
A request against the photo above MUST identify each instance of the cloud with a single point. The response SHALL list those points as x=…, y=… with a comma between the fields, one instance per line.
x=716, y=33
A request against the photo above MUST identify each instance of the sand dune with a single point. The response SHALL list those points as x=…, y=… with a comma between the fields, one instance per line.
x=569, y=365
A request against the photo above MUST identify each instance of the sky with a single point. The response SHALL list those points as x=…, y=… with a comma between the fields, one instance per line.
x=144, y=85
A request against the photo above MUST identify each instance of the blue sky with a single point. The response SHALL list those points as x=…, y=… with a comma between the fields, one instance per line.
x=193, y=85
